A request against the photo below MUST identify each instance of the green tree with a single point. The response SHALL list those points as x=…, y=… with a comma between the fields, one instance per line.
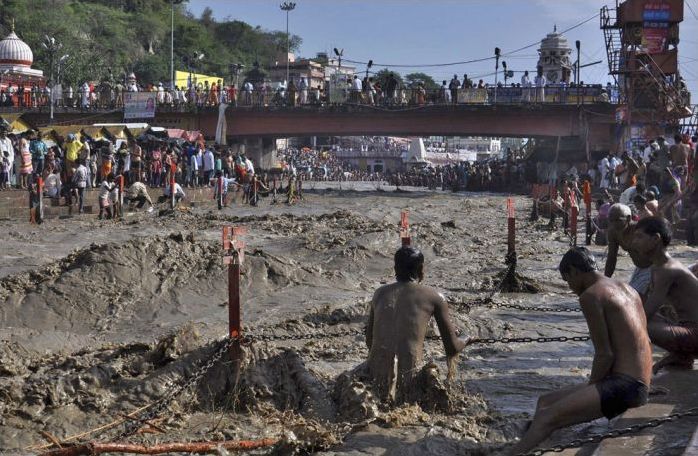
x=134, y=35
x=383, y=75
x=413, y=79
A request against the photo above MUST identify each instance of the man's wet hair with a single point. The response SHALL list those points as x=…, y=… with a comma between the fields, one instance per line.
x=656, y=225
x=409, y=262
x=579, y=257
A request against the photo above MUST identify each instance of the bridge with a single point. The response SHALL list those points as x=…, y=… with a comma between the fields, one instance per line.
x=256, y=126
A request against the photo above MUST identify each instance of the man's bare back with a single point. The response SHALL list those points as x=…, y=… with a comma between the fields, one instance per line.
x=680, y=154
x=624, y=319
x=397, y=326
x=676, y=285
x=673, y=285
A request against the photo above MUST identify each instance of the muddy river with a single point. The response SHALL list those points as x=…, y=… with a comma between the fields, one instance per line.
x=99, y=319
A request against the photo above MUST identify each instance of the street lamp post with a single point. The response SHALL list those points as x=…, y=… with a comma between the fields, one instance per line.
x=52, y=47
x=288, y=7
x=496, y=72
x=172, y=73
x=504, y=67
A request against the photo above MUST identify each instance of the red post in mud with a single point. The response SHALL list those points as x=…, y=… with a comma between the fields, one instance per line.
x=173, y=170
x=234, y=249
x=36, y=207
x=587, y=203
x=221, y=199
x=574, y=214
x=121, y=196
x=511, y=228
x=405, y=229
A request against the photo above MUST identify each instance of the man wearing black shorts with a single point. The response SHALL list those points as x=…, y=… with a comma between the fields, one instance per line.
x=622, y=366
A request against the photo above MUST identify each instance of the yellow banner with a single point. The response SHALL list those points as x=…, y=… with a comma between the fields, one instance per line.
x=182, y=79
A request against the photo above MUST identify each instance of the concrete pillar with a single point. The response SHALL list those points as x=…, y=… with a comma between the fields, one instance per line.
x=262, y=152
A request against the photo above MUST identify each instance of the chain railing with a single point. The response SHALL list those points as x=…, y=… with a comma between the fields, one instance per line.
x=594, y=439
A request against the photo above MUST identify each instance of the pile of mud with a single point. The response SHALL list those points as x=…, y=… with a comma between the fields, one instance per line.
x=89, y=288
x=65, y=394
x=163, y=280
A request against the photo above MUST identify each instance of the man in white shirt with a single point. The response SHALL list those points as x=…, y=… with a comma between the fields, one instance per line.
x=6, y=146
x=179, y=193
x=540, y=83
x=356, y=89
x=604, y=177
x=194, y=170
x=525, y=87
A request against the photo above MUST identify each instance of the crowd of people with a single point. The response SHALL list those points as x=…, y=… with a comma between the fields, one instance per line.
x=369, y=91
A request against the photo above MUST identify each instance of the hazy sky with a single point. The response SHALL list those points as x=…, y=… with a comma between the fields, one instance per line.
x=414, y=32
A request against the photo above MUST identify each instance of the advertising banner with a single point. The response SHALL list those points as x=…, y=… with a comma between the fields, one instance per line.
x=655, y=28
x=139, y=105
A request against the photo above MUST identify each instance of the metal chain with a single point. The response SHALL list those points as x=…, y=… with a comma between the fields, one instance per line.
x=613, y=433
x=518, y=340
x=489, y=300
x=535, y=308
x=163, y=403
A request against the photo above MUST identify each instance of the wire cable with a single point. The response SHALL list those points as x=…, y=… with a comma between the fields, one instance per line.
x=465, y=62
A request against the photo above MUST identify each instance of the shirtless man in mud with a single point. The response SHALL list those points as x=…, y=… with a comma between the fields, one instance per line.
x=398, y=323
x=672, y=284
x=620, y=234
x=622, y=366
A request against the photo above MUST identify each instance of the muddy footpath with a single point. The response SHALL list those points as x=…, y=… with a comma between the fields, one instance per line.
x=101, y=319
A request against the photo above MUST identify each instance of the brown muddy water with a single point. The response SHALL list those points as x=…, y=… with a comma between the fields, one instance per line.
x=100, y=318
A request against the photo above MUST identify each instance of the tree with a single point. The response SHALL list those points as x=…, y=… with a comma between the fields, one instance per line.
x=383, y=75
x=413, y=79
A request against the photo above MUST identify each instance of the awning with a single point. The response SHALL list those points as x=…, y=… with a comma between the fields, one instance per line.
x=95, y=133
x=14, y=122
x=176, y=133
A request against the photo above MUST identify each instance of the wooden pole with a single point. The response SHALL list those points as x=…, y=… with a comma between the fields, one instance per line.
x=95, y=448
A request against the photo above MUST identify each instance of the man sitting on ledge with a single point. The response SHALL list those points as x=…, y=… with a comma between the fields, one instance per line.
x=672, y=285
x=622, y=366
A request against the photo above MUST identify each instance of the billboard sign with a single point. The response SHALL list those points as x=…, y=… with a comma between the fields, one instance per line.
x=139, y=105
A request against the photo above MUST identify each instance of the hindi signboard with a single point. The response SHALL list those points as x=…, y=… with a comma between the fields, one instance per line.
x=139, y=105
x=655, y=28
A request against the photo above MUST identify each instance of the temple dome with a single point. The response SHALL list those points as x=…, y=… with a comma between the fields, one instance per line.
x=555, y=41
x=14, y=51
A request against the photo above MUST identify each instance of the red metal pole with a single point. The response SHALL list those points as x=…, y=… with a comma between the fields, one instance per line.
x=235, y=246
x=173, y=169
x=121, y=196
x=405, y=229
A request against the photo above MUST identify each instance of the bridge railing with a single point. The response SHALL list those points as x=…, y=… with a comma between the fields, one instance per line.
x=193, y=101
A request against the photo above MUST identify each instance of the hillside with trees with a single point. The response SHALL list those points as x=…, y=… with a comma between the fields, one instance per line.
x=110, y=38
